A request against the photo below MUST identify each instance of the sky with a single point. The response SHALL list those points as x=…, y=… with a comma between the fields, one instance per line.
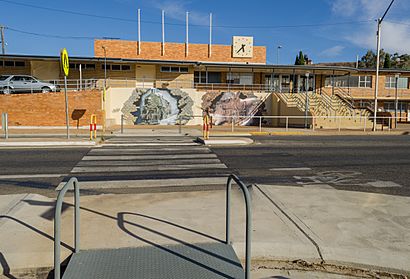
x=326, y=30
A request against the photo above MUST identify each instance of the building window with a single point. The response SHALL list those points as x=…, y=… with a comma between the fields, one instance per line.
x=9, y=63
x=390, y=82
x=365, y=81
x=125, y=67
x=342, y=81
x=19, y=64
x=89, y=66
x=199, y=77
x=116, y=67
x=1, y=63
x=167, y=69
x=108, y=66
x=240, y=78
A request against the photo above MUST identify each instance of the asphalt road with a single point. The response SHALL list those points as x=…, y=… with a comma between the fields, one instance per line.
x=20, y=166
x=379, y=164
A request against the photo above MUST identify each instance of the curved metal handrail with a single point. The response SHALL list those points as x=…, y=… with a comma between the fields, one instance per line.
x=57, y=223
x=248, y=220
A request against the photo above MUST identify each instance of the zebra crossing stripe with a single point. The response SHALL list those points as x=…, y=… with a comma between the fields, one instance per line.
x=148, y=157
x=146, y=168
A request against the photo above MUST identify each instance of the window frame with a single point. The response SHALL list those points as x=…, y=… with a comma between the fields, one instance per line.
x=367, y=81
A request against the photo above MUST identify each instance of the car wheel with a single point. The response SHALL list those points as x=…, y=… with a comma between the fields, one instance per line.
x=45, y=90
x=6, y=90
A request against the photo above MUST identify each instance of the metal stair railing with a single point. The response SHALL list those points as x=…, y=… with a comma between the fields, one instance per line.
x=57, y=223
x=73, y=182
x=248, y=220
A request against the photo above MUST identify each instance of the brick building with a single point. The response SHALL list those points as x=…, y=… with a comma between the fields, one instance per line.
x=241, y=67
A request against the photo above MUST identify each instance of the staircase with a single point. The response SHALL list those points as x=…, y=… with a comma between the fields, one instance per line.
x=330, y=111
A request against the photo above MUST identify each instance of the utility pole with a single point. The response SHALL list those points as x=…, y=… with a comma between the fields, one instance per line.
x=3, y=43
x=376, y=91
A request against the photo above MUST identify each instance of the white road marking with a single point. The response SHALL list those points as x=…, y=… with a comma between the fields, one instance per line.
x=148, y=150
x=290, y=169
x=17, y=176
x=152, y=144
x=148, y=157
x=146, y=168
x=150, y=183
x=381, y=184
x=147, y=162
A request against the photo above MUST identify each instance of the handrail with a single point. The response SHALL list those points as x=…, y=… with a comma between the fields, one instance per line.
x=57, y=223
x=248, y=220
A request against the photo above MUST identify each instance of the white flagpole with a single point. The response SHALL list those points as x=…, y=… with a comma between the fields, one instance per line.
x=139, y=31
x=163, y=32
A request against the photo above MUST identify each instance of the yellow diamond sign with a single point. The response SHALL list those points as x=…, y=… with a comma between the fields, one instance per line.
x=65, y=64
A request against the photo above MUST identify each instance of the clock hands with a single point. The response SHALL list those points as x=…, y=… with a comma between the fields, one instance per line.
x=242, y=48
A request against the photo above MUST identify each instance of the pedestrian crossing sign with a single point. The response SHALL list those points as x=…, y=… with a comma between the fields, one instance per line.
x=65, y=65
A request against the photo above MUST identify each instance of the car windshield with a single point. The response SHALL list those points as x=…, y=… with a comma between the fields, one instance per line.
x=4, y=77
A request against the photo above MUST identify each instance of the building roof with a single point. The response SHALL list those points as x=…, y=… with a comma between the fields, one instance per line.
x=268, y=68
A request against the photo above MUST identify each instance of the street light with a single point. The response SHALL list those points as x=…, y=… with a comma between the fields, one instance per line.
x=277, y=55
x=306, y=100
x=396, y=101
x=376, y=91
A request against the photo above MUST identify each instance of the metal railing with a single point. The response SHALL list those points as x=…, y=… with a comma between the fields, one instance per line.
x=78, y=84
x=248, y=236
x=73, y=182
x=5, y=124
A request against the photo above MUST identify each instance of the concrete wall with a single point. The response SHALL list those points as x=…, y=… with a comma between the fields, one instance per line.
x=49, y=109
x=174, y=51
x=127, y=101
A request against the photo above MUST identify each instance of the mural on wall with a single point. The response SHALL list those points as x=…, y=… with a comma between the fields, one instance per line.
x=157, y=107
x=226, y=104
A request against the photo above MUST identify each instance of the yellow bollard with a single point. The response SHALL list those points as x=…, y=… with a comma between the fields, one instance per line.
x=207, y=124
x=93, y=127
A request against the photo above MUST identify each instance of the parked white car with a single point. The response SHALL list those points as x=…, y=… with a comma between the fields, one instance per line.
x=24, y=84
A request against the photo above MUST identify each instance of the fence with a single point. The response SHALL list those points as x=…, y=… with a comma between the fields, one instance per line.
x=78, y=84
x=260, y=123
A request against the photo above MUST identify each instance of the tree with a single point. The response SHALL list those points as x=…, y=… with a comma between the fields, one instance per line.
x=387, y=61
x=395, y=61
x=368, y=60
x=297, y=61
x=301, y=59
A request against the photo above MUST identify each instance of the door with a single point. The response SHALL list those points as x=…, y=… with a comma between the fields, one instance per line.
x=18, y=84
x=31, y=84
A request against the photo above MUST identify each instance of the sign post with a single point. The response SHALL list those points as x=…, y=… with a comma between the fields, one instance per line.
x=65, y=65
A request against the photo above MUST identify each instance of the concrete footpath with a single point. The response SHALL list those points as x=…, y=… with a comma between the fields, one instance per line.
x=297, y=232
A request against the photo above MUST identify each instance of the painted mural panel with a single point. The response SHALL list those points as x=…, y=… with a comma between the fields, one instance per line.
x=157, y=107
x=226, y=104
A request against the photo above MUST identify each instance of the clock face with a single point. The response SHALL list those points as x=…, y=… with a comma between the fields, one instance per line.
x=242, y=47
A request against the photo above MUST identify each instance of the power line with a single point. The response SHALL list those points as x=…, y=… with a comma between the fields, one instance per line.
x=182, y=24
x=51, y=35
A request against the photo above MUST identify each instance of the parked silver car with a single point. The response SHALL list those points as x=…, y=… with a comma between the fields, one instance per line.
x=24, y=84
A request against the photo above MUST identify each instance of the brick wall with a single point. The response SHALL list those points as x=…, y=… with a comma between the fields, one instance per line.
x=174, y=51
x=49, y=109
